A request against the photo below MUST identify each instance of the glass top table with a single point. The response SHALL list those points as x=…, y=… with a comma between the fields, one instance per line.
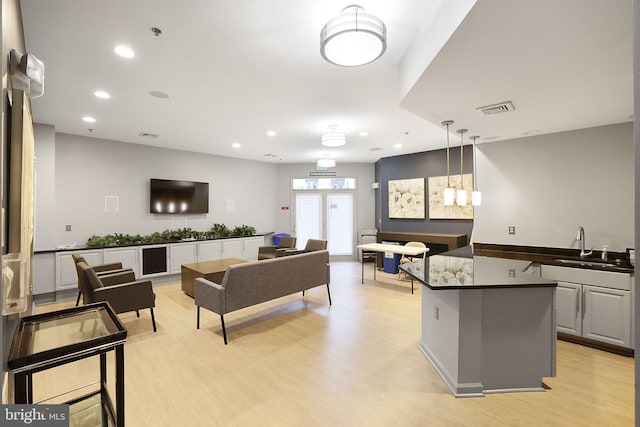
x=44, y=341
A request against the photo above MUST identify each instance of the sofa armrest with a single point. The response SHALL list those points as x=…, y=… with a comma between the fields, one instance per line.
x=111, y=279
x=129, y=296
x=209, y=295
x=107, y=267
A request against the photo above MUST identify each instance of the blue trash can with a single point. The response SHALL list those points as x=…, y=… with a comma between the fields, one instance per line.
x=391, y=261
x=277, y=237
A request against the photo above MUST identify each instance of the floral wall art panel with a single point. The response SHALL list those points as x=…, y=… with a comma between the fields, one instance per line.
x=437, y=209
x=406, y=198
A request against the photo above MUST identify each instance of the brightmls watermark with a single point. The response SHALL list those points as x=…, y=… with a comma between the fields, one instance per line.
x=34, y=415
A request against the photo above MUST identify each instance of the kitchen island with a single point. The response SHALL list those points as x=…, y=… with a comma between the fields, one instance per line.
x=488, y=324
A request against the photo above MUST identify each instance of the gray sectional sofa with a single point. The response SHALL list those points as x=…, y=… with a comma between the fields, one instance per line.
x=255, y=282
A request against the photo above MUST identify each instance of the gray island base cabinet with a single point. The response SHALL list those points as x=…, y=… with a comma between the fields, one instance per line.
x=487, y=326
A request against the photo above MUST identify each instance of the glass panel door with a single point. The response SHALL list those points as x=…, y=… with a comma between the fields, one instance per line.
x=340, y=223
x=308, y=218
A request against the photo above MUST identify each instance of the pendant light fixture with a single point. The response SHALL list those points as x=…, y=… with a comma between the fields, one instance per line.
x=476, y=196
x=461, y=198
x=334, y=138
x=353, y=38
x=449, y=191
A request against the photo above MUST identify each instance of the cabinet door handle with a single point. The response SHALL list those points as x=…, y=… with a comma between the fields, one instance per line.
x=584, y=302
x=578, y=301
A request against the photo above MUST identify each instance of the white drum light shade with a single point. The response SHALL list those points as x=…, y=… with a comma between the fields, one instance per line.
x=334, y=138
x=353, y=38
x=325, y=163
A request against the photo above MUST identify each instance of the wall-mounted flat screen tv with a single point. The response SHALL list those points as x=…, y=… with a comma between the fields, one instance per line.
x=178, y=197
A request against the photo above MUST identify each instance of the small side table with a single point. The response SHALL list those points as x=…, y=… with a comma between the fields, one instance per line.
x=44, y=341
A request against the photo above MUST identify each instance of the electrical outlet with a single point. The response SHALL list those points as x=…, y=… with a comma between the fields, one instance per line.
x=436, y=313
x=512, y=274
x=68, y=228
x=512, y=229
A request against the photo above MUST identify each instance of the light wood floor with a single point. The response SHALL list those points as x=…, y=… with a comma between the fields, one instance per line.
x=298, y=362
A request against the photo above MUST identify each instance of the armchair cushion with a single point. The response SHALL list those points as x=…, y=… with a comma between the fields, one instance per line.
x=129, y=296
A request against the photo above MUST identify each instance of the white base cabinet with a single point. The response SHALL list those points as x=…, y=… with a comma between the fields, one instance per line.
x=594, y=304
x=58, y=272
x=251, y=245
x=66, y=275
x=182, y=253
x=209, y=250
x=232, y=248
x=569, y=308
x=606, y=315
x=127, y=256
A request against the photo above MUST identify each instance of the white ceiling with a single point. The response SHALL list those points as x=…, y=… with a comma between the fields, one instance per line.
x=234, y=69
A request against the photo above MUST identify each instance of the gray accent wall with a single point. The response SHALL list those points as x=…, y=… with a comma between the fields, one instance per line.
x=549, y=185
x=420, y=165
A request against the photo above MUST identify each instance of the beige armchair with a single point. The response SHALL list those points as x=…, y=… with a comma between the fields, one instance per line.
x=268, y=252
x=121, y=290
x=100, y=269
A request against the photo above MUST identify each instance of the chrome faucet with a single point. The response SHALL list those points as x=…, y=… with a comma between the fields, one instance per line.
x=580, y=238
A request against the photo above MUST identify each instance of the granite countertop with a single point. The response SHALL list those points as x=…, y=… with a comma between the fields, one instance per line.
x=617, y=262
x=83, y=246
x=462, y=269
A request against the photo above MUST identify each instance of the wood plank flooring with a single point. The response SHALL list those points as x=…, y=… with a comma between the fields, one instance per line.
x=299, y=362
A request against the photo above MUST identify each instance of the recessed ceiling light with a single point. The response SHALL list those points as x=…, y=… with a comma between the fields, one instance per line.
x=89, y=119
x=271, y=133
x=531, y=132
x=102, y=94
x=235, y=145
x=397, y=146
x=124, y=51
x=364, y=133
x=159, y=94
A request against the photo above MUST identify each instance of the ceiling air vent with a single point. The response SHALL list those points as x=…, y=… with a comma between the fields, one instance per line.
x=501, y=107
x=147, y=135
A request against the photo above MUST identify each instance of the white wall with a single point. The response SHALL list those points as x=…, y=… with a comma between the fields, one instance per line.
x=75, y=173
x=88, y=169
x=365, y=195
x=548, y=185
x=45, y=193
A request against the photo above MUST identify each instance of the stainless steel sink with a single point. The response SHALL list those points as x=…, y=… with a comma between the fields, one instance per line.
x=585, y=262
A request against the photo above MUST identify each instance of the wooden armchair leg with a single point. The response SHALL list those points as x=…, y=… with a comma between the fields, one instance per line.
x=137, y=313
x=198, y=317
x=78, y=299
x=329, y=293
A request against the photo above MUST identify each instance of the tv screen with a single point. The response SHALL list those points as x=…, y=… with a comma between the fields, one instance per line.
x=178, y=197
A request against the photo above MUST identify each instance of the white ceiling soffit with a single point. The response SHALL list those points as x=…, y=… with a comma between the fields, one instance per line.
x=441, y=20
x=564, y=64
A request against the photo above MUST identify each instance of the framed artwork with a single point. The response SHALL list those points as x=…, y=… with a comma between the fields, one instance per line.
x=406, y=198
x=437, y=209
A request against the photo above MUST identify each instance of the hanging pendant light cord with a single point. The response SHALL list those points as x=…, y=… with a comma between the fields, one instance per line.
x=475, y=186
x=447, y=123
